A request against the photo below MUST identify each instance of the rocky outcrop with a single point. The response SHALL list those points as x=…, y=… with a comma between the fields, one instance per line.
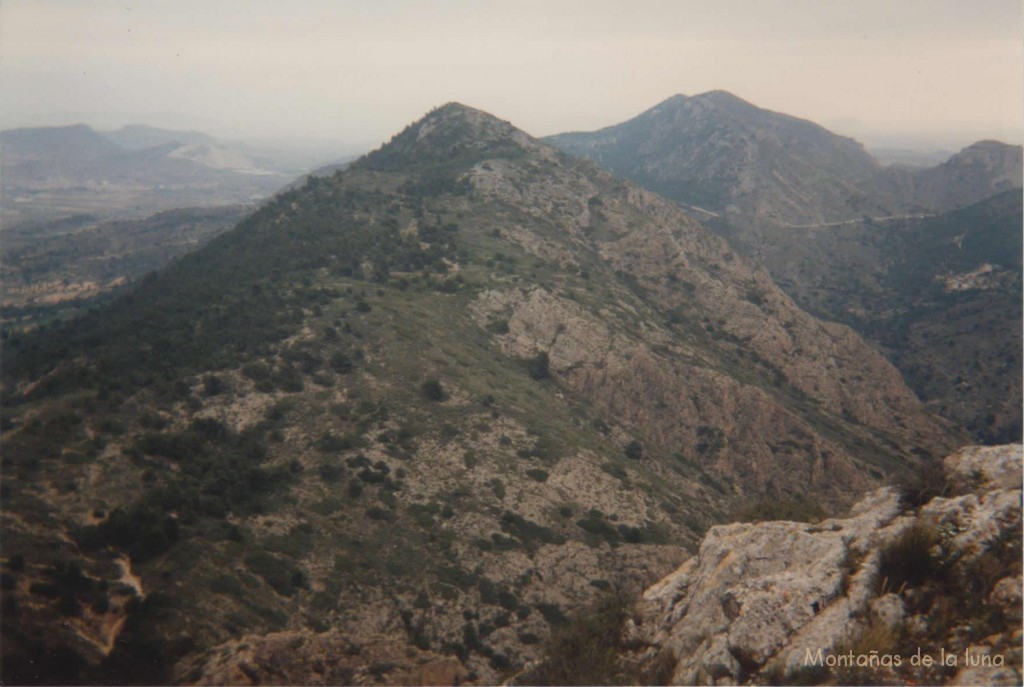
x=774, y=599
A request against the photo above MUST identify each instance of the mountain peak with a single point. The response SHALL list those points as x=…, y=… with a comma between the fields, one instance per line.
x=723, y=98
x=448, y=133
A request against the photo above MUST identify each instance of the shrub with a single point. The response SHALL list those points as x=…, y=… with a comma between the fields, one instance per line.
x=213, y=385
x=432, y=390
x=341, y=363
x=538, y=475
x=634, y=450
x=921, y=486
x=908, y=560
x=539, y=366
x=256, y=371
x=586, y=650
x=284, y=578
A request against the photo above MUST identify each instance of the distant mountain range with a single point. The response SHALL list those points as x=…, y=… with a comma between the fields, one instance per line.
x=54, y=172
x=140, y=137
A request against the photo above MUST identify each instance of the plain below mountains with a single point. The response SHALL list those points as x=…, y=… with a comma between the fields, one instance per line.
x=402, y=420
x=54, y=172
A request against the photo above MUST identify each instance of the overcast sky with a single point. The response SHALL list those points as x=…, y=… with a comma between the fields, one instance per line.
x=932, y=73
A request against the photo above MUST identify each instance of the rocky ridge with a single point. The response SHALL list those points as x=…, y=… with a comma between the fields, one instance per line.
x=759, y=602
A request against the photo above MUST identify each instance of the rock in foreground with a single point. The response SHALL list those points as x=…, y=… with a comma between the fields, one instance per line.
x=852, y=600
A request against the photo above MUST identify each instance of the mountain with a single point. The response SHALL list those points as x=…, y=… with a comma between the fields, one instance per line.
x=725, y=156
x=400, y=421
x=979, y=171
x=750, y=167
x=54, y=172
x=195, y=146
x=852, y=241
x=57, y=143
x=941, y=295
x=290, y=156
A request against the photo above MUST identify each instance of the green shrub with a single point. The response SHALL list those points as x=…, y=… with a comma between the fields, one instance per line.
x=283, y=577
x=432, y=390
x=538, y=475
x=539, y=366
x=908, y=560
x=587, y=649
x=634, y=450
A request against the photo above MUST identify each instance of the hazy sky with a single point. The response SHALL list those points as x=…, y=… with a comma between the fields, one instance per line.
x=930, y=72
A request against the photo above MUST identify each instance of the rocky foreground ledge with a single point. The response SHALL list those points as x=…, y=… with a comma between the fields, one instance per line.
x=895, y=593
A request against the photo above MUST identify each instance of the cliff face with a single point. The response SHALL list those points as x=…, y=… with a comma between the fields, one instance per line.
x=791, y=602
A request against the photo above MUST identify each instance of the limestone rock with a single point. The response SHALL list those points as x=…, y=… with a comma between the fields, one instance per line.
x=766, y=596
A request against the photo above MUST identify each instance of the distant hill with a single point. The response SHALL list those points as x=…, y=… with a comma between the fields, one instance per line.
x=750, y=167
x=727, y=156
x=139, y=136
x=59, y=171
x=977, y=172
x=907, y=157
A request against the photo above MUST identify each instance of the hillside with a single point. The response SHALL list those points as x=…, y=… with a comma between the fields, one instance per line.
x=940, y=295
x=47, y=266
x=401, y=420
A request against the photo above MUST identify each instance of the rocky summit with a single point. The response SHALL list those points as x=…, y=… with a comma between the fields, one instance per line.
x=402, y=421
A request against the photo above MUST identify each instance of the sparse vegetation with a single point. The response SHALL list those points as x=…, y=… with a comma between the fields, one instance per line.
x=586, y=650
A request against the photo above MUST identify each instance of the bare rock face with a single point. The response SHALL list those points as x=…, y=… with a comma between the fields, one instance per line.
x=775, y=598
